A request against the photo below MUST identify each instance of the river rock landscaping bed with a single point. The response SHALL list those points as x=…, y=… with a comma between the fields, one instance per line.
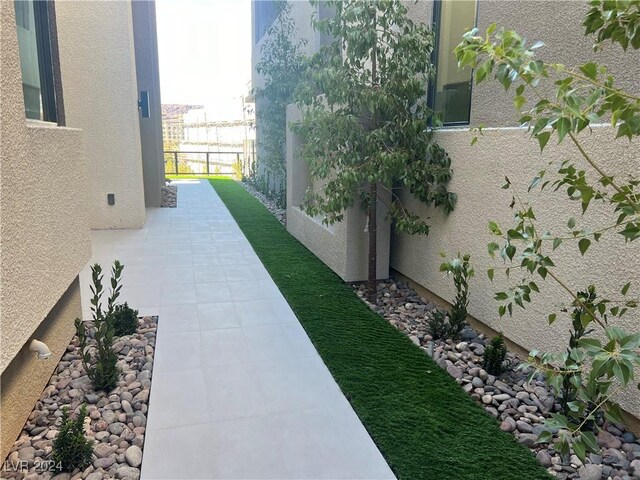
x=169, y=196
x=279, y=213
x=115, y=423
x=519, y=406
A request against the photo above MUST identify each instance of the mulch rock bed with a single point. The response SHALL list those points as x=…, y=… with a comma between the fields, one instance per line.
x=279, y=213
x=520, y=407
x=116, y=421
x=169, y=196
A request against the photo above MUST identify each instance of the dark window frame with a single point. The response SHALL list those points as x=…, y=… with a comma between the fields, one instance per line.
x=44, y=26
x=431, y=89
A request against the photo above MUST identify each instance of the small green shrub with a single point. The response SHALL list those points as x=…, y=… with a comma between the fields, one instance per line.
x=101, y=367
x=494, y=356
x=71, y=449
x=438, y=325
x=462, y=272
x=125, y=320
x=237, y=170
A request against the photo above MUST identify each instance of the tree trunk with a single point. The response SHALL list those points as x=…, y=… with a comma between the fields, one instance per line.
x=373, y=188
x=373, y=249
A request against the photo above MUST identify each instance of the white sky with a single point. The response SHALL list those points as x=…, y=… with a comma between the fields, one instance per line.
x=205, y=50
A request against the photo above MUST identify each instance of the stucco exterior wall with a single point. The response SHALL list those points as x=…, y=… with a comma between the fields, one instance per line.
x=148, y=77
x=25, y=377
x=44, y=233
x=100, y=89
x=559, y=26
x=478, y=176
x=44, y=239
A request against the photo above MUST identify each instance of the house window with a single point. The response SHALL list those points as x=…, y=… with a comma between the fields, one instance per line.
x=450, y=93
x=34, y=42
x=264, y=14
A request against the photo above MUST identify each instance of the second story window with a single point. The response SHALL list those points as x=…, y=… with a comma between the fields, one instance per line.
x=264, y=14
x=450, y=93
x=34, y=41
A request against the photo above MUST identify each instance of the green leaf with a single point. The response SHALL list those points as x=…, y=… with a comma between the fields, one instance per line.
x=563, y=126
x=579, y=449
x=589, y=439
x=590, y=70
x=490, y=274
x=552, y=318
x=583, y=245
x=556, y=242
x=543, y=139
x=571, y=223
x=625, y=289
x=545, y=437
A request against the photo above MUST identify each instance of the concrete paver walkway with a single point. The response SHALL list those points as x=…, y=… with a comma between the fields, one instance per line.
x=238, y=389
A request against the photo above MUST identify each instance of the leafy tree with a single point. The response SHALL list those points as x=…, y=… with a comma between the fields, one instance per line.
x=281, y=64
x=366, y=123
x=600, y=359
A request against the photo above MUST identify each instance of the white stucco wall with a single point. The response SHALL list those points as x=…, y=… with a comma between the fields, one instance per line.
x=100, y=88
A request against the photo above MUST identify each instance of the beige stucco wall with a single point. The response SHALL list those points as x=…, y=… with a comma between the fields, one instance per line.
x=44, y=239
x=25, y=377
x=44, y=234
x=478, y=175
x=100, y=90
x=558, y=25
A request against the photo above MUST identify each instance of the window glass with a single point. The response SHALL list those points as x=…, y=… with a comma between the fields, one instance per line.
x=32, y=24
x=265, y=13
x=452, y=86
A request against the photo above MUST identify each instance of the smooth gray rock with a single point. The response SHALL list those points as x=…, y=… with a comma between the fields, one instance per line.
x=133, y=456
x=103, y=450
x=129, y=473
x=590, y=472
x=104, y=462
x=608, y=440
x=27, y=453
x=544, y=458
x=524, y=427
x=508, y=425
x=454, y=371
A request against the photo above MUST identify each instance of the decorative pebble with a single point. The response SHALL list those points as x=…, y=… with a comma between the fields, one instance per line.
x=117, y=444
x=519, y=406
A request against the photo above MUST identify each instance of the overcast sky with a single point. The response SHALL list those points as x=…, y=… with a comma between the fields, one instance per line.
x=205, y=50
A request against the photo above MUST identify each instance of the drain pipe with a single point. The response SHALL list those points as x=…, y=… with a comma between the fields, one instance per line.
x=40, y=348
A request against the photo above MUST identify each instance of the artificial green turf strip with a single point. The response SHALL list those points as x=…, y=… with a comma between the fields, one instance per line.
x=421, y=420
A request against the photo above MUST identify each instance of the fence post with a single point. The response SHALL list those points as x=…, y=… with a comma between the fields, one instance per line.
x=237, y=161
x=175, y=158
x=207, y=163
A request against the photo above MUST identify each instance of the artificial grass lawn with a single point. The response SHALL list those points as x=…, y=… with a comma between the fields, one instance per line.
x=422, y=421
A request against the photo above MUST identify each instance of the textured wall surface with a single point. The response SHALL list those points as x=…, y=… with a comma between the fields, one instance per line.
x=558, y=25
x=44, y=233
x=478, y=175
x=100, y=90
x=44, y=239
x=26, y=376
x=148, y=77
